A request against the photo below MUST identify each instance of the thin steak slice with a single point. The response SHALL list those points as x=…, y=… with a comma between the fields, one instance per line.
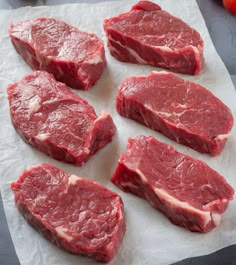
x=76, y=214
x=50, y=117
x=74, y=57
x=149, y=35
x=181, y=110
x=186, y=190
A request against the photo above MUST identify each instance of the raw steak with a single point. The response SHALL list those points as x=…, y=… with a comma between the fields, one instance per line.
x=182, y=110
x=149, y=35
x=186, y=190
x=72, y=56
x=76, y=214
x=47, y=115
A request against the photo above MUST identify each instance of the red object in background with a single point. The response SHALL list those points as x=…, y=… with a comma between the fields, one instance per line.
x=230, y=5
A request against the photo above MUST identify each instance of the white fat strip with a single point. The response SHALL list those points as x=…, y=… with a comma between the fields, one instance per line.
x=177, y=114
x=61, y=231
x=184, y=106
x=42, y=136
x=216, y=217
x=128, y=183
x=206, y=186
x=166, y=114
x=196, y=51
x=160, y=72
x=50, y=101
x=163, y=48
x=136, y=56
x=142, y=176
x=131, y=51
x=34, y=104
x=95, y=60
x=73, y=179
x=213, y=202
x=168, y=49
x=222, y=137
x=184, y=205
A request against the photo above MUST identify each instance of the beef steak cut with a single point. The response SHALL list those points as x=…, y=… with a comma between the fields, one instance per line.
x=74, y=57
x=186, y=190
x=182, y=110
x=56, y=121
x=149, y=35
x=76, y=214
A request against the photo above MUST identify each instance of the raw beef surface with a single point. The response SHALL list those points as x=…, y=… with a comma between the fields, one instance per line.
x=76, y=214
x=55, y=120
x=186, y=190
x=74, y=57
x=182, y=110
x=149, y=35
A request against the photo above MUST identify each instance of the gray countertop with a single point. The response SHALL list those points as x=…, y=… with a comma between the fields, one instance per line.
x=222, y=28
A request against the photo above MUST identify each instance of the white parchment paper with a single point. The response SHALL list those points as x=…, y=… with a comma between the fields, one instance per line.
x=150, y=239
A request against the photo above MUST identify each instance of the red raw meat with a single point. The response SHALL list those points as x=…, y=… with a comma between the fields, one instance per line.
x=182, y=110
x=56, y=121
x=74, y=57
x=186, y=190
x=149, y=35
x=78, y=215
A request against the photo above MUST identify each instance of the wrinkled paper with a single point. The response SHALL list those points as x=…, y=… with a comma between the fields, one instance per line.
x=149, y=233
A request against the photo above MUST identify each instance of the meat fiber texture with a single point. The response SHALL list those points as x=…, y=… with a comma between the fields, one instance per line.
x=149, y=35
x=186, y=190
x=50, y=117
x=74, y=57
x=149, y=233
x=182, y=110
x=76, y=214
